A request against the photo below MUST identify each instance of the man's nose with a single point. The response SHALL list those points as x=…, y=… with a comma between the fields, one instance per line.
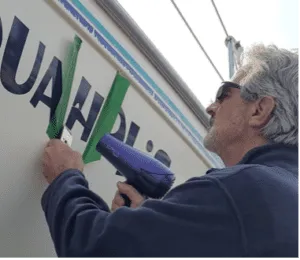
x=211, y=109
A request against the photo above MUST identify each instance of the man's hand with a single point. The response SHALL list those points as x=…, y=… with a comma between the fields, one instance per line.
x=132, y=194
x=59, y=157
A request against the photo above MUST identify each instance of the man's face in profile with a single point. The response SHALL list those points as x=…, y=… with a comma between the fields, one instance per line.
x=228, y=119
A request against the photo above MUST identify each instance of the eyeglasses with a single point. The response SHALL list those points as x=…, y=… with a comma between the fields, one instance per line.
x=223, y=90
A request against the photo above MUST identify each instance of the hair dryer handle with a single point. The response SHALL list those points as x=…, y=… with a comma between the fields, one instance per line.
x=127, y=200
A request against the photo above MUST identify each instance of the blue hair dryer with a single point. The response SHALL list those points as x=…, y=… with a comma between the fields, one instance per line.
x=147, y=175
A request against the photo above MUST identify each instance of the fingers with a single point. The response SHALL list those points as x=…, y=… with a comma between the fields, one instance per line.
x=59, y=157
x=78, y=154
x=53, y=142
x=56, y=142
x=117, y=202
x=127, y=190
x=135, y=197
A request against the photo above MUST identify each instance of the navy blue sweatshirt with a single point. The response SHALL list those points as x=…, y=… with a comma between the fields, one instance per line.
x=250, y=209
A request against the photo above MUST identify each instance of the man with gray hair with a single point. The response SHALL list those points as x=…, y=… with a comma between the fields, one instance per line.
x=249, y=208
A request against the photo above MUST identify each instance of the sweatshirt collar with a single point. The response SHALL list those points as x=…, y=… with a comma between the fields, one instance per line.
x=272, y=155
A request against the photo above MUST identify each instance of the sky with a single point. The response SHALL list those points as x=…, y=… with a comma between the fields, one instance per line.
x=255, y=21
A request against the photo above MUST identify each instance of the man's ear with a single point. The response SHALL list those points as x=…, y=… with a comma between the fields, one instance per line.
x=261, y=112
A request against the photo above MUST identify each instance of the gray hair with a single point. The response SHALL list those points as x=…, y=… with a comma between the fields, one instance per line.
x=270, y=71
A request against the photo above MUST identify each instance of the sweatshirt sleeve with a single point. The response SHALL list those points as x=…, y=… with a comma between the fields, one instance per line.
x=194, y=219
